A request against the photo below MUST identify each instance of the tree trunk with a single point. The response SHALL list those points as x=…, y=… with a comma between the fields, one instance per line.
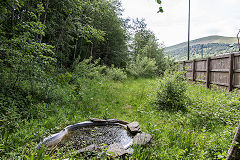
x=12, y=19
x=75, y=50
x=234, y=151
x=45, y=17
x=92, y=50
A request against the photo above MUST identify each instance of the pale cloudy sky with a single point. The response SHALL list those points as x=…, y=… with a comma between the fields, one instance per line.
x=208, y=17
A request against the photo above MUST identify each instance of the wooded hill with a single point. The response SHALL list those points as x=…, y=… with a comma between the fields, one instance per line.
x=211, y=45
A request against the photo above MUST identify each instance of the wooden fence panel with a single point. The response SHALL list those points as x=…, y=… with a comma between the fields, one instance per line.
x=200, y=70
x=237, y=62
x=188, y=65
x=189, y=75
x=221, y=70
x=219, y=78
x=219, y=64
x=181, y=65
x=236, y=80
x=236, y=74
x=201, y=65
x=200, y=76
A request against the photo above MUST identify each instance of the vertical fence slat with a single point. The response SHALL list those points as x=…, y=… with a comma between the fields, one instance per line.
x=184, y=68
x=230, y=84
x=208, y=73
x=193, y=70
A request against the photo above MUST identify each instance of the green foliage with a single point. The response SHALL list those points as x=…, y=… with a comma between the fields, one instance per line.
x=116, y=74
x=153, y=50
x=160, y=8
x=213, y=107
x=25, y=67
x=75, y=28
x=86, y=29
x=142, y=67
x=145, y=44
x=171, y=94
x=64, y=78
x=89, y=69
x=8, y=114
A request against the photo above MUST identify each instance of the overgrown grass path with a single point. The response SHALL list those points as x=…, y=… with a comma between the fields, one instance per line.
x=203, y=131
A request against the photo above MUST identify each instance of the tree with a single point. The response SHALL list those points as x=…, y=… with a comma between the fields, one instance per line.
x=86, y=29
x=113, y=50
x=24, y=61
x=145, y=43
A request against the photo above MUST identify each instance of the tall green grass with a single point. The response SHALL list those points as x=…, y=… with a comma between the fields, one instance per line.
x=203, y=131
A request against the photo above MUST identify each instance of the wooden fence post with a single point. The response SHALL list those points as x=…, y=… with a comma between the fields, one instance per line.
x=230, y=84
x=208, y=73
x=193, y=70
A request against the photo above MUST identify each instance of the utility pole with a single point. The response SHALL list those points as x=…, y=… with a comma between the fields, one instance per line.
x=238, y=40
x=188, y=56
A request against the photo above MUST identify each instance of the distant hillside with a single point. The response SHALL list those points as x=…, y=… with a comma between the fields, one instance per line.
x=212, y=45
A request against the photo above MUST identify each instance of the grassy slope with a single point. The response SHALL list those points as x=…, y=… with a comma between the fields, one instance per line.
x=204, y=131
x=205, y=40
x=214, y=45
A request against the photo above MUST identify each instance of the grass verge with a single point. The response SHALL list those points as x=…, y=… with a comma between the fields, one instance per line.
x=203, y=131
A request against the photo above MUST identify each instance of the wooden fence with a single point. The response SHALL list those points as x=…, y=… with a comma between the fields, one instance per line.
x=221, y=70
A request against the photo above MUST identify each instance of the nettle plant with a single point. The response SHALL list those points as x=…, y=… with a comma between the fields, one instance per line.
x=171, y=94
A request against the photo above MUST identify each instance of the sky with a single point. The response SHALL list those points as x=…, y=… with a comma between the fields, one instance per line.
x=208, y=17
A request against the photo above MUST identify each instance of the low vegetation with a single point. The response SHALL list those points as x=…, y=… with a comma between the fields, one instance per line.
x=171, y=94
x=203, y=130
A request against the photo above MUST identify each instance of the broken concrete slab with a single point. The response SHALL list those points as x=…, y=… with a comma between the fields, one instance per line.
x=142, y=139
x=116, y=149
x=134, y=127
x=117, y=121
x=97, y=120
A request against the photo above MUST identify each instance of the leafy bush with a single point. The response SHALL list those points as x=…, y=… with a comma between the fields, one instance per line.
x=88, y=68
x=116, y=74
x=64, y=78
x=142, y=67
x=171, y=94
x=93, y=70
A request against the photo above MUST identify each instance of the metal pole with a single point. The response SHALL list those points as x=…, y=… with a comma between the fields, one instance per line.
x=188, y=31
x=238, y=40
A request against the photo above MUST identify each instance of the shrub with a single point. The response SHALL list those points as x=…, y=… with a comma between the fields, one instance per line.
x=116, y=74
x=142, y=67
x=93, y=70
x=64, y=78
x=88, y=69
x=171, y=94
